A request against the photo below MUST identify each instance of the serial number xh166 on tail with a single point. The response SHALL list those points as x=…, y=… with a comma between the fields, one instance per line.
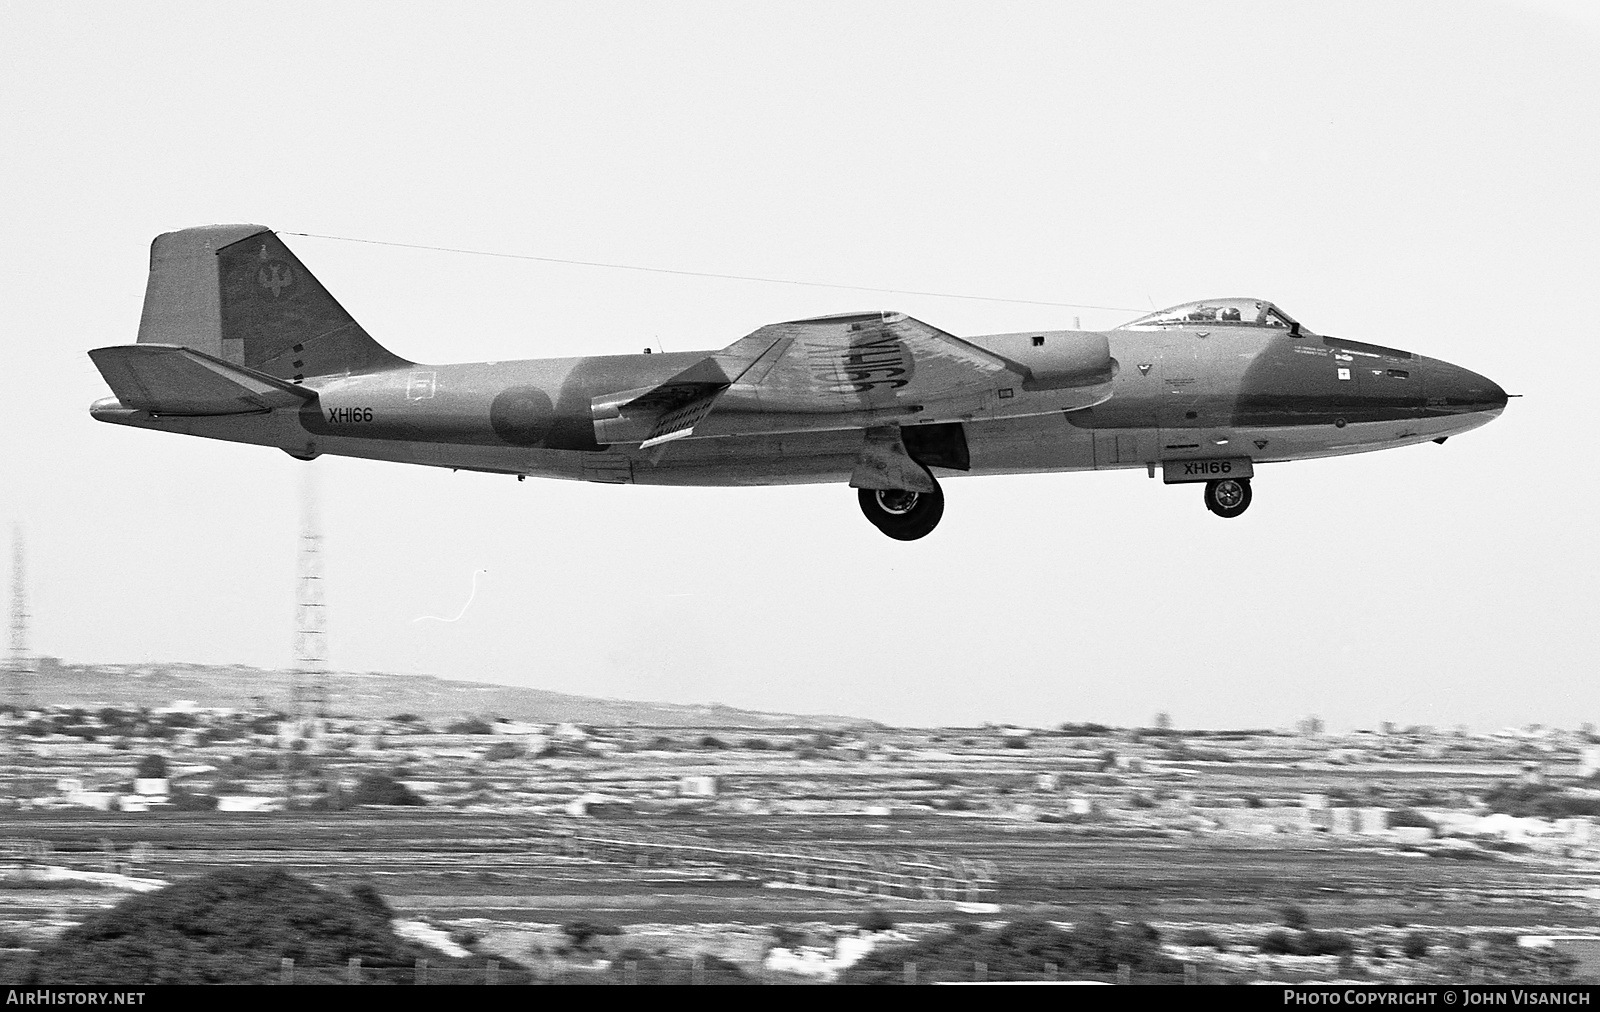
x=239, y=342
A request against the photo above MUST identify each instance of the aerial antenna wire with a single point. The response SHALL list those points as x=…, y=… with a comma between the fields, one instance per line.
x=712, y=274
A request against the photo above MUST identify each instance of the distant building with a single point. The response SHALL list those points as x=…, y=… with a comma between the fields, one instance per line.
x=1589, y=761
x=248, y=803
x=697, y=787
x=92, y=799
x=570, y=733
x=596, y=805
x=517, y=727
x=1507, y=827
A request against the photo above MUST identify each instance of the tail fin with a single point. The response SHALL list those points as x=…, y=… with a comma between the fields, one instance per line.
x=235, y=292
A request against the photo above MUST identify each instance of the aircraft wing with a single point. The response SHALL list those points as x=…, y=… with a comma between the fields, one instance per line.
x=166, y=379
x=861, y=365
x=871, y=360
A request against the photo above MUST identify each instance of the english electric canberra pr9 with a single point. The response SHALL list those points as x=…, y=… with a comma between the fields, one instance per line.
x=239, y=342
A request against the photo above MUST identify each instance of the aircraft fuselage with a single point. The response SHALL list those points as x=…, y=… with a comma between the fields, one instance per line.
x=238, y=341
x=1192, y=393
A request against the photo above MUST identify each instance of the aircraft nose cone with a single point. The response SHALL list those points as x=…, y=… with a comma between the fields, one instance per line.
x=1460, y=391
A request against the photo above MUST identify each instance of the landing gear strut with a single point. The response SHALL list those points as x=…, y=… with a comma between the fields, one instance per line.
x=1228, y=497
x=904, y=516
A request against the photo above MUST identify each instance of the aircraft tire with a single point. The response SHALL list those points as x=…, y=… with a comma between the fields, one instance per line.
x=904, y=516
x=1228, y=497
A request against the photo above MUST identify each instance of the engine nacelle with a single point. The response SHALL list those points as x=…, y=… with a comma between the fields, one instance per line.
x=1057, y=359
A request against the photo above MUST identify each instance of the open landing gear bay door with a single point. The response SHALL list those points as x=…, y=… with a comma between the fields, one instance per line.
x=833, y=372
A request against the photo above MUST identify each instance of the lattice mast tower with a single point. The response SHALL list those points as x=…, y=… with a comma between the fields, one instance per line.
x=307, y=686
x=17, y=666
x=310, y=689
x=17, y=661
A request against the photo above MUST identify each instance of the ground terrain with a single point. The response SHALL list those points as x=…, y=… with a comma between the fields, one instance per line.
x=703, y=839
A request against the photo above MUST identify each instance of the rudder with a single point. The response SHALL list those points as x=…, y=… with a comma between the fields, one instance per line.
x=238, y=293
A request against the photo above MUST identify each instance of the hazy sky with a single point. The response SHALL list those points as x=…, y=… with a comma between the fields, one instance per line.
x=1417, y=175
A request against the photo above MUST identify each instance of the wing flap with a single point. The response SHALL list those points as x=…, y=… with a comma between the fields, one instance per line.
x=680, y=421
x=172, y=380
x=671, y=409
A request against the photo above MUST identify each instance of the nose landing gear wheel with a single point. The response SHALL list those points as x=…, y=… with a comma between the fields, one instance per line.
x=904, y=516
x=1228, y=497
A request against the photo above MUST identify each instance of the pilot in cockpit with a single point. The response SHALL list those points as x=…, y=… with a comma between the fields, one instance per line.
x=1230, y=315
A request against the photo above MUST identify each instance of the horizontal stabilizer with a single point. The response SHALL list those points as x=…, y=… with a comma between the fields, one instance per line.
x=171, y=380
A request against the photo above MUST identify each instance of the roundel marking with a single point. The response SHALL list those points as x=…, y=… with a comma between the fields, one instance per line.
x=522, y=415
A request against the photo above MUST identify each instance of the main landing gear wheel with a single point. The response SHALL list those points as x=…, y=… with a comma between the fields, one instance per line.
x=1228, y=497
x=904, y=516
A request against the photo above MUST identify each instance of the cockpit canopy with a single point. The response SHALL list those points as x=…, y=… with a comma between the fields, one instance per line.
x=1216, y=313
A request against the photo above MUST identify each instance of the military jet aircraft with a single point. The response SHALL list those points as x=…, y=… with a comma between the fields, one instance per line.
x=238, y=341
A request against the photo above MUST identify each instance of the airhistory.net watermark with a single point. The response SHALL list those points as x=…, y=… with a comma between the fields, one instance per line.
x=49, y=996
